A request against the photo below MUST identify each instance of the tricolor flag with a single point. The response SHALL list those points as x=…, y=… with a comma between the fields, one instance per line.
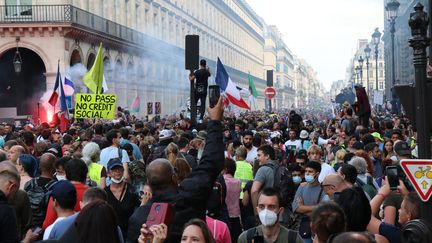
x=228, y=87
x=69, y=86
x=136, y=105
x=54, y=96
x=64, y=112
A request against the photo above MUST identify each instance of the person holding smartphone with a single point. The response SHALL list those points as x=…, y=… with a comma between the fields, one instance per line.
x=201, y=83
x=189, y=198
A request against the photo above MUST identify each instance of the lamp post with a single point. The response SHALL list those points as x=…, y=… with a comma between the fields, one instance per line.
x=360, y=61
x=17, y=61
x=376, y=37
x=392, y=11
x=357, y=74
x=367, y=52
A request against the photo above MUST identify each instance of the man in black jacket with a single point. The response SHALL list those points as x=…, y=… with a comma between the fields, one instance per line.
x=189, y=198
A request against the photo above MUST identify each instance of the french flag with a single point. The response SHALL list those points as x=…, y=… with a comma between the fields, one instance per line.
x=228, y=87
x=69, y=86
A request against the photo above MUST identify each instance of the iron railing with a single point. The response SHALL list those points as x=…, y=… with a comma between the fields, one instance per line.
x=17, y=14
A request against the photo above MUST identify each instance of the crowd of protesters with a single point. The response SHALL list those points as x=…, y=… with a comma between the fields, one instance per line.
x=290, y=176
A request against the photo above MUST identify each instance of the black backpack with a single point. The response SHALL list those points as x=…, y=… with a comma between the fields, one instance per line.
x=284, y=183
x=39, y=197
x=216, y=199
x=250, y=233
x=157, y=152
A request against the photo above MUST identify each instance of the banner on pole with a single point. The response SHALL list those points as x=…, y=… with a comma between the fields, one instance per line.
x=378, y=97
x=95, y=106
x=158, y=108
x=149, y=108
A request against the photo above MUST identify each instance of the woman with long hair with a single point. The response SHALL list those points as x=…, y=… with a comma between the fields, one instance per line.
x=388, y=152
x=97, y=223
x=196, y=230
x=171, y=152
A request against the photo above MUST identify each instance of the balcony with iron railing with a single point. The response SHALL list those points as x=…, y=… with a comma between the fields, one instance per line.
x=68, y=14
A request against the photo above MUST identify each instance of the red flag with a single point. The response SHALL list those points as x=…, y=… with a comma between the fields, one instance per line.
x=53, y=99
x=64, y=122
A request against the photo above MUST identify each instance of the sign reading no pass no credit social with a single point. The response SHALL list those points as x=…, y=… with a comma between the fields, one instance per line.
x=95, y=106
x=419, y=172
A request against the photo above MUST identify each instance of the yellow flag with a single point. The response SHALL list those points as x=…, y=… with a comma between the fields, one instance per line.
x=93, y=78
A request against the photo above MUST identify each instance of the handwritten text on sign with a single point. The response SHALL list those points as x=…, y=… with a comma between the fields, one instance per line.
x=95, y=106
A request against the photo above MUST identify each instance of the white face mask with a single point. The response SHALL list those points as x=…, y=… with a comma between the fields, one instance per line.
x=118, y=181
x=61, y=177
x=267, y=217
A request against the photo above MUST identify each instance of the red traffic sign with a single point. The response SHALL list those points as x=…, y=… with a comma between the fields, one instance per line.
x=419, y=172
x=270, y=92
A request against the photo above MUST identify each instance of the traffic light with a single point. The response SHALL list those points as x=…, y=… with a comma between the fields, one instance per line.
x=406, y=94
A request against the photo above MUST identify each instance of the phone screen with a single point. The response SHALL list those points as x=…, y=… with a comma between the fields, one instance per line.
x=258, y=239
x=392, y=177
x=214, y=94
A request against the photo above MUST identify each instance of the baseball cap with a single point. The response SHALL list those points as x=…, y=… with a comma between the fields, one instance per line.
x=113, y=163
x=377, y=135
x=202, y=135
x=304, y=134
x=402, y=148
x=165, y=134
x=63, y=189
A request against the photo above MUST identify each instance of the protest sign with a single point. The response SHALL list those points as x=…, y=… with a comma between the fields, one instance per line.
x=95, y=106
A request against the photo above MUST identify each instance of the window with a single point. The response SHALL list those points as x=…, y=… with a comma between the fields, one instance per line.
x=285, y=69
x=381, y=73
x=371, y=86
x=16, y=8
x=277, y=67
x=381, y=85
x=371, y=75
x=380, y=65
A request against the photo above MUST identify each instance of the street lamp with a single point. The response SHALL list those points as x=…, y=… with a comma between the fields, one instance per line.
x=357, y=73
x=367, y=52
x=17, y=61
x=376, y=37
x=360, y=61
x=392, y=12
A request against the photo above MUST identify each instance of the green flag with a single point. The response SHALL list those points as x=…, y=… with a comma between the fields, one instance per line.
x=93, y=78
x=252, y=88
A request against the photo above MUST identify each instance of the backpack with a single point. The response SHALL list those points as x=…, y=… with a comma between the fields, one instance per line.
x=284, y=183
x=368, y=188
x=157, y=152
x=39, y=197
x=292, y=235
x=216, y=199
x=137, y=170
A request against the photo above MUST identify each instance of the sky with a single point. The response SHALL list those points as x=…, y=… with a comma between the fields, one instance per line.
x=323, y=32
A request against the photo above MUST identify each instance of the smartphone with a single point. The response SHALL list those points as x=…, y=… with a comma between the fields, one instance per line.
x=36, y=230
x=160, y=213
x=392, y=177
x=214, y=94
x=336, y=196
x=258, y=239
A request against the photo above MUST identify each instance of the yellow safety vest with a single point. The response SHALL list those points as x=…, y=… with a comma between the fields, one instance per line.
x=94, y=172
x=243, y=173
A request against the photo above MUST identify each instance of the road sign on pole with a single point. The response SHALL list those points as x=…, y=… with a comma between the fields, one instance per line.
x=270, y=92
x=419, y=172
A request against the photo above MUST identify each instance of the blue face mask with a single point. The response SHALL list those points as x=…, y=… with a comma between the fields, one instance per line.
x=309, y=178
x=297, y=179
